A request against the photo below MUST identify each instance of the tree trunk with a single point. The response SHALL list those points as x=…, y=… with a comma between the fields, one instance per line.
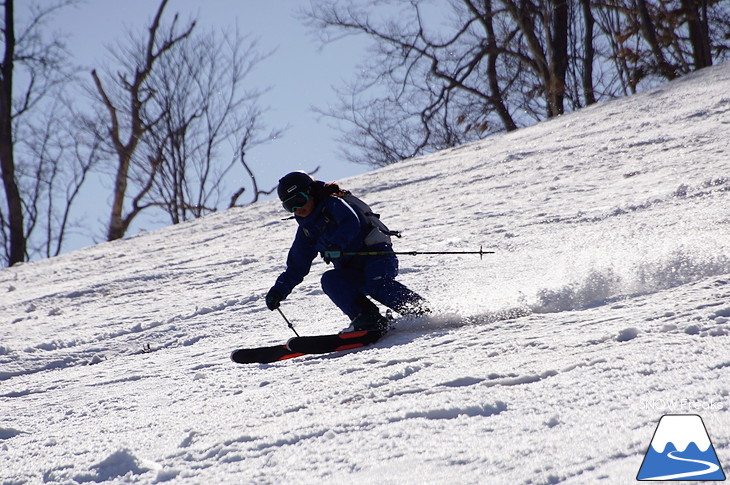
x=549, y=63
x=647, y=27
x=588, y=22
x=17, y=249
x=117, y=226
x=154, y=49
x=558, y=42
x=699, y=34
x=492, y=75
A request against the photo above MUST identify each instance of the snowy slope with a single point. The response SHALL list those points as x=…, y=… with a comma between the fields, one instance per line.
x=606, y=305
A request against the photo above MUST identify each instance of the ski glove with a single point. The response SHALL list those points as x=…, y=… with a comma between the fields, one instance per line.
x=273, y=299
x=332, y=252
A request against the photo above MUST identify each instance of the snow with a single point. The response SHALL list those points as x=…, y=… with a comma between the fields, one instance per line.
x=605, y=306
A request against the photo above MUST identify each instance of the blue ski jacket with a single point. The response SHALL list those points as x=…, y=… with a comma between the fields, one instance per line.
x=332, y=223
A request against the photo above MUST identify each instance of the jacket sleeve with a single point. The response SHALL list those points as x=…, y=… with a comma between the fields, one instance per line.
x=298, y=264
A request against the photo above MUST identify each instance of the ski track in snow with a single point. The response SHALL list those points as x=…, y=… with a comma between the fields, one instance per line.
x=609, y=292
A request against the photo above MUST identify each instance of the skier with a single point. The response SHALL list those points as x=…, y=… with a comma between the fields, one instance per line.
x=328, y=225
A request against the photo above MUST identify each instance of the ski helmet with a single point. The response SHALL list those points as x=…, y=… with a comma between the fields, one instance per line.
x=293, y=190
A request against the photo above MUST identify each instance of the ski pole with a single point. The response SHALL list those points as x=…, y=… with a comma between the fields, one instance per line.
x=481, y=253
x=288, y=322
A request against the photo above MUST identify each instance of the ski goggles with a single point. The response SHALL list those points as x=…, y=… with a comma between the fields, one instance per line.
x=295, y=202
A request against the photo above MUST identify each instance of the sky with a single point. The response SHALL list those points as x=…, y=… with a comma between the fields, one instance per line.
x=300, y=73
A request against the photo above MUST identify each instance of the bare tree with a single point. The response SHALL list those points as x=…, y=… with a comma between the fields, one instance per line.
x=423, y=89
x=589, y=52
x=717, y=16
x=654, y=41
x=41, y=66
x=208, y=119
x=64, y=158
x=542, y=47
x=699, y=31
x=437, y=86
x=178, y=119
x=500, y=64
x=125, y=96
x=432, y=86
x=14, y=238
x=649, y=30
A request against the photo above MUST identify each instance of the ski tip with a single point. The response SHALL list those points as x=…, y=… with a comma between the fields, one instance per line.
x=238, y=360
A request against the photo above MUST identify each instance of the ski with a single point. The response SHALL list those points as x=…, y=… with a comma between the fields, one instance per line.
x=323, y=344
x=314, y=344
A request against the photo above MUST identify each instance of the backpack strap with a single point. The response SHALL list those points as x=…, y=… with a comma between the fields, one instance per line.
x=379, y=232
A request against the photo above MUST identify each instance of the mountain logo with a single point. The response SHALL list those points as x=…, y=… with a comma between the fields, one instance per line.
x=681, y=450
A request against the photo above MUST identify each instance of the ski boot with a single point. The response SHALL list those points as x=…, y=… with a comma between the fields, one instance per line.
x=370, y=319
